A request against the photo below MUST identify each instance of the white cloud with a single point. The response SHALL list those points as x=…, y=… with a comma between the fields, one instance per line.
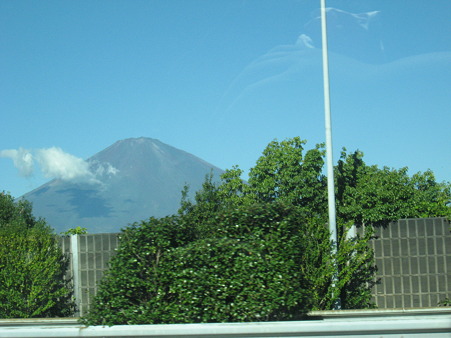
x=55, y=163
x=22, y=158
x=102, y=168
x=112, y=170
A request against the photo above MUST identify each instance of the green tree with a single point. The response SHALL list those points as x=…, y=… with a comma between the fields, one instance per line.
x=75, y=231
x=284, y=173
x=207, y=202
x=432, y=199
x=32, y=265
x=376, y=196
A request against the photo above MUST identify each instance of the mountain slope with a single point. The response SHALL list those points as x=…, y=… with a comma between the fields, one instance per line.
x=134, y=179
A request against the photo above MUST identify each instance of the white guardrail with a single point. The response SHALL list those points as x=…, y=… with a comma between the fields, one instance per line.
x=429, y=322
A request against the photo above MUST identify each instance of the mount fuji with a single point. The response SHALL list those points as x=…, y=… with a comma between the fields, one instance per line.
x=131, y=180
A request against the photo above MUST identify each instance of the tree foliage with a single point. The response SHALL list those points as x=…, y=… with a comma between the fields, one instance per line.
x=75, y=231
x=32, y=265
x=287, y=175
x=261, y=250
x=376, y=196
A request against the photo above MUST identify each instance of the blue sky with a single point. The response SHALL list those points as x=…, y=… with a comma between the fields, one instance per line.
x=220, y=79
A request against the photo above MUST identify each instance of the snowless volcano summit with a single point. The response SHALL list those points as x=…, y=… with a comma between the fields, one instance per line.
x=132, y=180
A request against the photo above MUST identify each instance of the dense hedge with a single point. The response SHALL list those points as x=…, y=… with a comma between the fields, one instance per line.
x=263, y=262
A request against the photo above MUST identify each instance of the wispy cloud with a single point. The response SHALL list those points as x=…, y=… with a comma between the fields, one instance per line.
x=55, y=163
x=356, y=35
x=361, y=19
x=305, y=40
x=276, y=65
x=340, y=19
x=22, y=158
x=350, y=37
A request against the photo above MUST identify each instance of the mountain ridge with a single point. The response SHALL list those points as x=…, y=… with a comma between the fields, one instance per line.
x=132, y=179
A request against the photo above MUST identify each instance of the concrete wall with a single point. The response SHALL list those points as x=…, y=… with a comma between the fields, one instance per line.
x=412, y=255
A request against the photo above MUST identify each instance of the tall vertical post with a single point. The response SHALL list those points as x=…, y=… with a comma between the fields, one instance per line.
x=329, y=154
x=76, y=271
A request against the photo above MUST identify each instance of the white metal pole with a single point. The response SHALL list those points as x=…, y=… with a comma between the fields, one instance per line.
x=75, y=249
x=329, y=155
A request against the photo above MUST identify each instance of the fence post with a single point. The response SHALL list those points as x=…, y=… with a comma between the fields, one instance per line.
x=75, y=251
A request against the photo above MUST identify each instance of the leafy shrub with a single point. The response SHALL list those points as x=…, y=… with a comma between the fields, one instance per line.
x=264, y=261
